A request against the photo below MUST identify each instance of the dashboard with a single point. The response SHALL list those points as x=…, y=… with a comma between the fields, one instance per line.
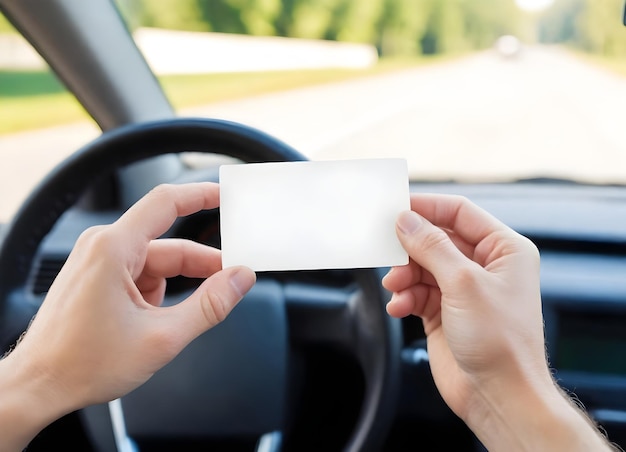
x=581, y=233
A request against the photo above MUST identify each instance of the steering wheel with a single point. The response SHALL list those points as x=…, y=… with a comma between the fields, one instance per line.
x=285, y=310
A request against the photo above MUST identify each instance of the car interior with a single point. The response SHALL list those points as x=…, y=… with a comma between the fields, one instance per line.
x=309, y=360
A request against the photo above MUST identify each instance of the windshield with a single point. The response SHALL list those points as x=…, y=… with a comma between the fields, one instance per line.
x=489, y=90
x=466, y=91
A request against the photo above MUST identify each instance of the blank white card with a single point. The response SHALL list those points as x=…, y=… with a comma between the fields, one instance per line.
x=313, y=215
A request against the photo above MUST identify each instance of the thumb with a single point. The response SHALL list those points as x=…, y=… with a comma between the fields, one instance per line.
x=429, y=246
x=211, y=303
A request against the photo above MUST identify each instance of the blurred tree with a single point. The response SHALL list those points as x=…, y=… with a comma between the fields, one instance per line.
x=445, y=30
x=591, y=25
x=486, y=20
x=173, y=14
x=356, y=21
x=285, y=16
x=559, y=22
x=312, y=18
x=258, y=16
x=394, y=26
x=401, y=26
x=600, y=29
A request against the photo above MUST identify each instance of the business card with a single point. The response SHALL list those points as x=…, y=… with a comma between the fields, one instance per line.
x=313, y=215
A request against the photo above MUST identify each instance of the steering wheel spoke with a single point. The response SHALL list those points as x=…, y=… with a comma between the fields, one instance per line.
x=320, y=314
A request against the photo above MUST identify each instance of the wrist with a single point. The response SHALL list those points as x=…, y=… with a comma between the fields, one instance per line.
x=30, y=401
x=533, y=414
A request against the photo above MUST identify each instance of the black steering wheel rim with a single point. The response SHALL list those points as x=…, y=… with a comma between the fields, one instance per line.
x=63, y=187
x=112, y=150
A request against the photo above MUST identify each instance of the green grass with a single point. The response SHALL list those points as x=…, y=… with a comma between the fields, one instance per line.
x=188, y=90
x=30, y=100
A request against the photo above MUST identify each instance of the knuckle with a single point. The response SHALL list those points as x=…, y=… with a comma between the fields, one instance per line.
x=459, y=202
x=165, y=195
x=460, y=199
x=97, y=240
x=434, y=240
x=214, y=307
x=465, y=277
x=510, y=241
x=162, y=188
x=529, y=248
x=90, y=233
x=162, y=191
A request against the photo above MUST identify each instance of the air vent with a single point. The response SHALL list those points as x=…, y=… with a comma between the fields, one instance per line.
x=605, y=246
x=46, y=271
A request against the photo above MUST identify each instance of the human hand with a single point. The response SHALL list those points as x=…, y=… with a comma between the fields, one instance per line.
x=475, y=284
x=101, y=332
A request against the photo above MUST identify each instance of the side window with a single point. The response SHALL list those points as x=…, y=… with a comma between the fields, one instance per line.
x=35, y=112
x=31, y=97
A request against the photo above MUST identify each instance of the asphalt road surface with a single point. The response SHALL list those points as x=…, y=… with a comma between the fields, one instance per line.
x=483, y=117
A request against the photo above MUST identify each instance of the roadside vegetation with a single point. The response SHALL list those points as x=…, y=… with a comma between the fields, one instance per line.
x=591, y=28
x=394, y=27
x=405, y=32
x=33, y=99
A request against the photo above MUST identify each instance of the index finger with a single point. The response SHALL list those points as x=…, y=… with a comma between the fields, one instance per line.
x=154, y=214
x=457, y=214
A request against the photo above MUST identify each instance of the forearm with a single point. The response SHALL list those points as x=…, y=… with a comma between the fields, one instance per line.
x=536, y=418
x=26, y=407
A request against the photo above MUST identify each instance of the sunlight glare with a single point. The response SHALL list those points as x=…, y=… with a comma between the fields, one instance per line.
x=533, y=5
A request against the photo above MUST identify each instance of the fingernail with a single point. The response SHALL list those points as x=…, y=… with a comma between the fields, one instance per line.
x=242, y=280
x=409, y=222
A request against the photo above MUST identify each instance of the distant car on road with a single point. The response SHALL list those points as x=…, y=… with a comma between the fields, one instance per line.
x=508, y=46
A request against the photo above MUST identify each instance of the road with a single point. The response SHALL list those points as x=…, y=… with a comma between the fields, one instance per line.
x=477, y=118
